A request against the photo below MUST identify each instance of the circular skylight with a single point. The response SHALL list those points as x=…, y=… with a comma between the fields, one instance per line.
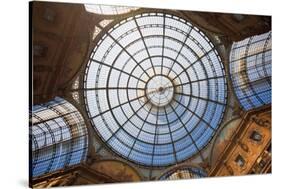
x=155, y=89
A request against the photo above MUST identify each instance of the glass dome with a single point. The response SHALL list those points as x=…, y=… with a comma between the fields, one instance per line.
x=155, y=89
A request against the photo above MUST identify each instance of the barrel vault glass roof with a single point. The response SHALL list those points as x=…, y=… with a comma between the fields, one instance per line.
x=108, y=9
x=59, y=137
x=250, y=70
x=155, y=89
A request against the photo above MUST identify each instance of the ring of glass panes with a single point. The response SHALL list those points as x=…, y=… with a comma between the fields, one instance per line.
x=159, y=91
x=125, y=59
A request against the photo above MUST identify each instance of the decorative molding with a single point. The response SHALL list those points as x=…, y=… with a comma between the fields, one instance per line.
x=96, y=32
x=105, y=22
x=261, y=122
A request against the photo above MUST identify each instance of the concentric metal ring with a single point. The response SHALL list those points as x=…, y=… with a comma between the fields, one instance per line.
x=159, y=91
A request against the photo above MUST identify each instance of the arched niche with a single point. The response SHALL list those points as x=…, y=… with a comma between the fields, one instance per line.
x=222, y=139
x=117, y=169
x=183, y=171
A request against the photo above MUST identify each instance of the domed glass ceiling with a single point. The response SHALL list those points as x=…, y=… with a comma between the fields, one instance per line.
x=155, y=89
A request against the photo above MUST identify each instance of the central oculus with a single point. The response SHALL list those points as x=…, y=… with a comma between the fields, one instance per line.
x=159, y=90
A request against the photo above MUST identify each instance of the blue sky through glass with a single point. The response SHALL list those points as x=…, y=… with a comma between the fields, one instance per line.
x=155, y=89
x=250, y=69
x=59, y=137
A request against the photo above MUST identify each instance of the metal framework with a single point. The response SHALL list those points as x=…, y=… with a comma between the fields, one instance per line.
x=185, y=172
x=107, y=9
x=59, y=137
x=155, y=89
x=250, y=70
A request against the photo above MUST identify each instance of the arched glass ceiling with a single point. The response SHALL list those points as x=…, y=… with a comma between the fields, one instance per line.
x=250, y=70
x=107, y=9
x=184, y=173
x=59, y=137
x=155, y=89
